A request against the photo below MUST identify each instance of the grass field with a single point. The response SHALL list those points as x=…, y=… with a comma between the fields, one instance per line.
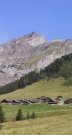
x=42, y=126
x=51, y=88
x=51, y=120
x=41, y=110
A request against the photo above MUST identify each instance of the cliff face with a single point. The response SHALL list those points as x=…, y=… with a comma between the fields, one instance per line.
x=27, y=53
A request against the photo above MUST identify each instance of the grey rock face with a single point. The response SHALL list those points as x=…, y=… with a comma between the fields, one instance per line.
x=31, y=52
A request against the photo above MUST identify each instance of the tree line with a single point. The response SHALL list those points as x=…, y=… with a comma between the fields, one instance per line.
x=61, y=67
x=22, y=82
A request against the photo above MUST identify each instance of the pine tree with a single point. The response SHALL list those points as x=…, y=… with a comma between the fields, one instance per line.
x=19, y=115
x=33, y=115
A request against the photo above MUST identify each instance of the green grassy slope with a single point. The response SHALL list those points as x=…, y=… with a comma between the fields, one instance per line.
x=51, y=88
x=43, y=126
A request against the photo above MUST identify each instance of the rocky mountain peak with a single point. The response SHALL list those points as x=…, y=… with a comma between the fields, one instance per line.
x=27, y=53
x=33, y=39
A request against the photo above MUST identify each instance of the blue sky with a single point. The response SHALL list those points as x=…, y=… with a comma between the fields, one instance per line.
x=50, y=18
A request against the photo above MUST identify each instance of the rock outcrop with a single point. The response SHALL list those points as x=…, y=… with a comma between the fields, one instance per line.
x=41, y=99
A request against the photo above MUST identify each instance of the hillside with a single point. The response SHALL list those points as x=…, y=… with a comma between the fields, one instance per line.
x=61, y=67
x=51, y=88
x=27, y=53
x=52, y=120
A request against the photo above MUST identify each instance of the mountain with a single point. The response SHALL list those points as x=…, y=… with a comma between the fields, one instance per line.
x=30, y=52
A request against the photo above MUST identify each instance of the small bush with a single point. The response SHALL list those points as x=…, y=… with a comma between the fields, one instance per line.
x=19, y=115
x=68, y=82
x=2, y=118
x=0, y=127
x=28, y=116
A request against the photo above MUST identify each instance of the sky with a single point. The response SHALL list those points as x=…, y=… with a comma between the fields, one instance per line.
x=50, y=18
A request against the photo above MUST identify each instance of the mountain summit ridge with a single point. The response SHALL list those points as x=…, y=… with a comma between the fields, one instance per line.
x=27, y=53
x=26, y=38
